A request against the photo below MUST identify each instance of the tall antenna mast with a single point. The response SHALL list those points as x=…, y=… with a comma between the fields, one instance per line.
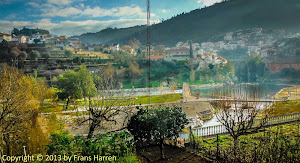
x=148, y=47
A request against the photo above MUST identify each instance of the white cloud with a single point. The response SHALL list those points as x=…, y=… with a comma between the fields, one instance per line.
x=71, y=27
x=116, y=12
x=52, y=12
x=126, y=11
x=208, y=2
x=60, y=2
x=82, y=5
x=7, y=26
x=51, y=9
x=164, y=11
x=97, y=12
x=33, y=4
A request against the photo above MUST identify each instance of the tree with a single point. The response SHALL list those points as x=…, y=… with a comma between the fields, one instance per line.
x=20, y=98
x=191, y=65
x=13, y=55
x=68, y=53
x=211, y=66
x=22, y=55
x=108, y=78
x=33, y=55
x=16, y=49
x=253, y=68
x=4, y=51
x=156, y=125
x=191, y=50
x=77, y=84
x=133, y=71
x=46, y=55
x=36, y=41
x=134, y=43
x=236, y=116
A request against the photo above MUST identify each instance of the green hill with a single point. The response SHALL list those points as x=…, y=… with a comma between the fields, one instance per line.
x=208, y=23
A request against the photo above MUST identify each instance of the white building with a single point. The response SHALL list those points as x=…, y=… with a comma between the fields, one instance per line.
x=21, y=39
x=178, y=54
x=115, y=47
x=37, y=38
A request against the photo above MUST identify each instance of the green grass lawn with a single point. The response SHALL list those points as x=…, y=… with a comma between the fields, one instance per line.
x=46, y=108
x=137, y=101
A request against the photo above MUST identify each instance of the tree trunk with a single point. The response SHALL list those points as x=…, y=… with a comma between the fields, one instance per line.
x=91, y=130
x=162, y=148
x=235, y=148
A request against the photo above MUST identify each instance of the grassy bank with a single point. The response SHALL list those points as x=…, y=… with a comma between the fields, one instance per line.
x=116, y=102
x=282, y=108
x=290, y=93
x=275, y=143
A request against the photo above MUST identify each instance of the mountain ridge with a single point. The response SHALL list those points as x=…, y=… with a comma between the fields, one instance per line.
x=204, y=24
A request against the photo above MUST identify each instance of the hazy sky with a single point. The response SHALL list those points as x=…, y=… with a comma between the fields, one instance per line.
x=74, y=17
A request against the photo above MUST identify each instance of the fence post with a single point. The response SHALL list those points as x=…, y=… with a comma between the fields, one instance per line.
x=218, y=150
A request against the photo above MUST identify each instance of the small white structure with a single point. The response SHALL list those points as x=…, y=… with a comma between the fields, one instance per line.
x=20, y=39
x=37, y=39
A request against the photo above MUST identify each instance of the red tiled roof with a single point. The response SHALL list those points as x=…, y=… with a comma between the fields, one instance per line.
x=155, y=57
x=199, y=59
x=5, y=34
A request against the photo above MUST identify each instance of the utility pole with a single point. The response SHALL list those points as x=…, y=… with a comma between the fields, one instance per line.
x=148, y=47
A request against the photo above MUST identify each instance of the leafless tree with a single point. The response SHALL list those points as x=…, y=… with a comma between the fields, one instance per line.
x=106, y=107
x=235, y=111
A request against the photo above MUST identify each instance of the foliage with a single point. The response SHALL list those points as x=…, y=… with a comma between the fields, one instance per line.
x=4, y=51
x=28, y=32
x=289, y=73
x=251, y=70
x=282, y=108
x=22, y=55
x=106, y=78
x=155, y=125
x=134, y=43
x=33, y=55
x=20, y=99
x=13, y=55
x=272, y=145
x=46, y=55
x=61, y=144
x=68, y=53
x=77, y=84
x=115, y=144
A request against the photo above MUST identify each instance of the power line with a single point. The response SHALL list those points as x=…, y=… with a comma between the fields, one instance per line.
x=148, y=48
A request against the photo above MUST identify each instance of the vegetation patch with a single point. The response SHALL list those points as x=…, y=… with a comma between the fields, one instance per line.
x=282, y=108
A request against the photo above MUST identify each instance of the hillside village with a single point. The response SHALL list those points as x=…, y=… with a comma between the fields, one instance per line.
x=217, y=84
x=271, y=46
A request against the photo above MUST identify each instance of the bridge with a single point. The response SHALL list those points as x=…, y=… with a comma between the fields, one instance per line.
x=270, y=121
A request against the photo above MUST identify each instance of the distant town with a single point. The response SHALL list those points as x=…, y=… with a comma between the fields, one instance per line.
x=256, y=41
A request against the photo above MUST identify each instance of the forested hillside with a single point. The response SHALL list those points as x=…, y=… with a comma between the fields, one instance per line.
x=208, y=23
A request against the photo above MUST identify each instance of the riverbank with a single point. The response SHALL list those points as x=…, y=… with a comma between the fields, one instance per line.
x=290, y=93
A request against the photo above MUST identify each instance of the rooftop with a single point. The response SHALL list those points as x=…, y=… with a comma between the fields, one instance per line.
x=1, y=34
x=155, y=57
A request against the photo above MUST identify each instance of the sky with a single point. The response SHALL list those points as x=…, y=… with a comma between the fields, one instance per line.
x=75, y=17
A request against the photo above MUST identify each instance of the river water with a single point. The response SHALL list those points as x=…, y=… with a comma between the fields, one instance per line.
x=268, y=90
